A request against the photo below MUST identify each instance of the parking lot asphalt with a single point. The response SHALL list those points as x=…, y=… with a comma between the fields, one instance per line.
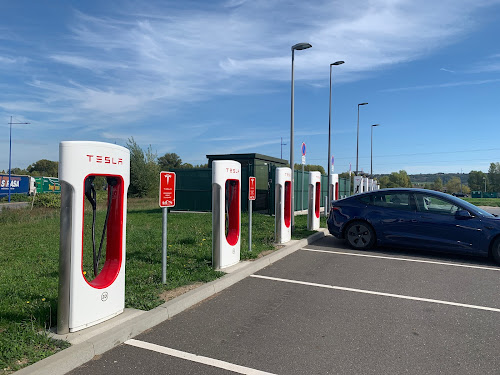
x=326, y=309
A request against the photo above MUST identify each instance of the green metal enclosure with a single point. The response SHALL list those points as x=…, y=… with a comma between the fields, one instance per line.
x=194, y=186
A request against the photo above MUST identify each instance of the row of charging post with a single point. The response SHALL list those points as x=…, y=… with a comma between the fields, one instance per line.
x=364, y=184
x=86, y=300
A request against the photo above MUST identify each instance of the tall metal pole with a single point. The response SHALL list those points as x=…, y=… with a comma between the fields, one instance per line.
x=371, y=154
x=10, y=148
x=357, y=141
x=291, y=149
x=371, y=150
x=329, y=141
x=282, y=144
x=330, y=135
x=298, y=46
x=164, y=246
x=10, y=151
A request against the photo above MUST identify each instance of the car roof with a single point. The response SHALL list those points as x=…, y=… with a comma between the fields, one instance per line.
x=403, y=190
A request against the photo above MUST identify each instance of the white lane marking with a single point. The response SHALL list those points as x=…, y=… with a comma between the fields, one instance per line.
x=403, y=259
x=378, y=293
x=196, y=358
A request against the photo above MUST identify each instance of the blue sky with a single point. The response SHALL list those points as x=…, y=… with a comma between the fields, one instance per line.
x=212, y=77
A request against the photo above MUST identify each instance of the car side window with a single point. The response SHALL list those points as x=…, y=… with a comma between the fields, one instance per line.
x=431, y=204
x=398, y=201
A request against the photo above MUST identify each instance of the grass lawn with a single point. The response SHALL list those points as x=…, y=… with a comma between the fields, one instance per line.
x=29, y=261
x=492, y=202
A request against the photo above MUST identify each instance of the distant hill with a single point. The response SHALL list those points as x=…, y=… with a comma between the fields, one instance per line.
x=428, y=178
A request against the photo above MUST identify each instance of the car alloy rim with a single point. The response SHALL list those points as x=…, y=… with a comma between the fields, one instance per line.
x=359, y=235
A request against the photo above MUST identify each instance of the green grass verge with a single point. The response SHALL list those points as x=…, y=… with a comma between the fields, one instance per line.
x=491, y=202
x=29, y=261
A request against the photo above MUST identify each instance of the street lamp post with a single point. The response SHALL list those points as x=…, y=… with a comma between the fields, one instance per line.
x=357, y=140
x=10, y=147
x=282, y=144
x=371, y=151
x=330, y=134
x=298, y=47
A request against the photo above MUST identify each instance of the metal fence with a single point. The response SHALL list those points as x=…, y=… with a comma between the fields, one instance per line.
x=194, y=189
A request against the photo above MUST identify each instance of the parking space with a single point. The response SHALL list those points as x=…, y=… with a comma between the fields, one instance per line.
x=326, y=309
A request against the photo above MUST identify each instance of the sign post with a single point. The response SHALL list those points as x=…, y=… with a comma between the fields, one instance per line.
x=167, y=199
x=303, y=149
x=251, y=197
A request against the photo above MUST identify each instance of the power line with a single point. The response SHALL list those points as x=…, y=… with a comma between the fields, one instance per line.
x=416, y=154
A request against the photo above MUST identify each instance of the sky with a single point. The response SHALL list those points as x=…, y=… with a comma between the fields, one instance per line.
x=214, y=77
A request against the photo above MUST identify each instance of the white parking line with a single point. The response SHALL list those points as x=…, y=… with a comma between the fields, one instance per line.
x=195, y=358
x=402, y=259
x=378, y=293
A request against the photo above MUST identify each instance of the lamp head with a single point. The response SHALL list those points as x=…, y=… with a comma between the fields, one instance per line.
x=362, y=104
x=300, y=46
x=337, y=63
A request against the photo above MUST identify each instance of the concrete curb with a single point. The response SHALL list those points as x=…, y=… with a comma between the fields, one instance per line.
x=83, y=351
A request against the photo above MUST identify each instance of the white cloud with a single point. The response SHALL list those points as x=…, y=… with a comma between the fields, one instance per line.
x=444, y=85
x=179, y=55
x=111, y=70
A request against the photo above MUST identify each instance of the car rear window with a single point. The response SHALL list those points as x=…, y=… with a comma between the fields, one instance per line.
x=398, y=201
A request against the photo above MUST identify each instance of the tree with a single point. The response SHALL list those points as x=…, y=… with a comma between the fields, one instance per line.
x=396, y=179
x=494, y=177
x=19, y=171
x=384, y=182
x=144, y=171
x=311, y=167
x=44, y=167
x=454, y=185
x=437, y=184
x=169, y=161
x=476, y=180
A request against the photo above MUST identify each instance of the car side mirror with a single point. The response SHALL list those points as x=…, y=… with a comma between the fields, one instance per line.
x=463, y=215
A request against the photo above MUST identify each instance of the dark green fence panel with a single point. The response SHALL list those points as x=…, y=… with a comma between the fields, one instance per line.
x=193, y=190
x=482, y=194
x=344, y=187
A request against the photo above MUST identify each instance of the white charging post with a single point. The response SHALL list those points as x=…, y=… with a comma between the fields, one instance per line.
x=364, y=188
x=314, y=200
x=85, y=301
x=334, y=187
x=226, y=213
x=358, y=183
x=283, y=205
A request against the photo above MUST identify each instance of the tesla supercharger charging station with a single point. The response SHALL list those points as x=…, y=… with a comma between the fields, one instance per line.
x=364, y=185
x=334, y=187
x=370, y=184
x=358, y=182
x=283, y=199
x=226, y=213
x=314, y=200
x=87, y=298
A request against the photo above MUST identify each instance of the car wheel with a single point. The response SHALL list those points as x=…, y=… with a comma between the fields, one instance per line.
x=360, y=235
x=495, y=250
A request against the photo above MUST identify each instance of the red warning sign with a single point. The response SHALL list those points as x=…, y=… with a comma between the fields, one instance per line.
x=167, y=189
x=252, y=191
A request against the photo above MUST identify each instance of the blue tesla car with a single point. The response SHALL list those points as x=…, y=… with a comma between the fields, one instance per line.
x=415, y=218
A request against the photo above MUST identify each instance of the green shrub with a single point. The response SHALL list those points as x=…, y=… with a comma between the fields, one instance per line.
x=49, y=200
x=16, y=198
